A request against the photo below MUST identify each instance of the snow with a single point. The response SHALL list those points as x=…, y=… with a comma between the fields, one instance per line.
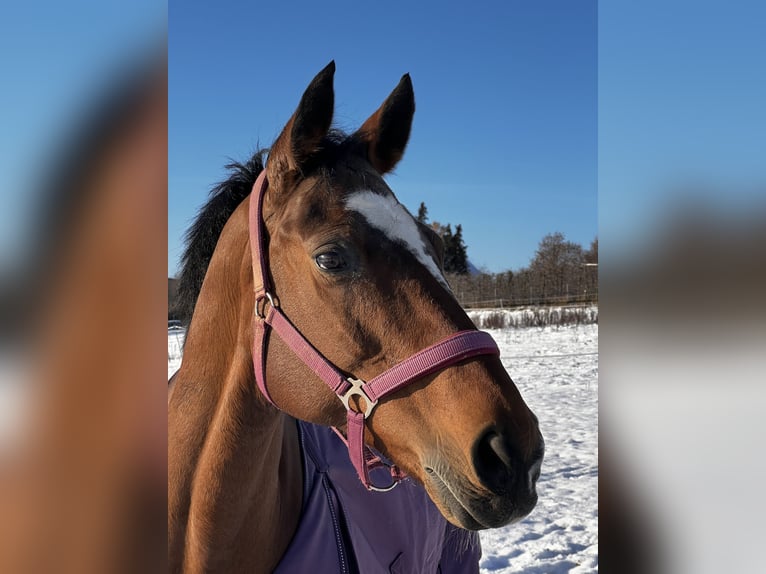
x=535, y=316
x=175, y=349
x=556, y=370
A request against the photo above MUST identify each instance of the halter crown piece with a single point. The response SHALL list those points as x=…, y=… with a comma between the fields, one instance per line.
x=449, y=351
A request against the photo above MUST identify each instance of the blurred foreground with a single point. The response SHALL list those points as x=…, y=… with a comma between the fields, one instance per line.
x=683, y=346
x=82, y=408
x=682, y=206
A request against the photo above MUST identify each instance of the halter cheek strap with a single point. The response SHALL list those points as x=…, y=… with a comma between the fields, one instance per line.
x=458, y=347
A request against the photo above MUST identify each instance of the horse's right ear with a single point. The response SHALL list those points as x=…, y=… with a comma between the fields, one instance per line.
x=301, y=138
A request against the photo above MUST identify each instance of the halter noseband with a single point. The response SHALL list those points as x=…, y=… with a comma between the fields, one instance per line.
x=449, y=351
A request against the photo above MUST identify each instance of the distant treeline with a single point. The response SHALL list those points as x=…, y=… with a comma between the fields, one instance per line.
x=561, y=272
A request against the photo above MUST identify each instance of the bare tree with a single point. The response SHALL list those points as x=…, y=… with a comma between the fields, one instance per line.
x=561, y=271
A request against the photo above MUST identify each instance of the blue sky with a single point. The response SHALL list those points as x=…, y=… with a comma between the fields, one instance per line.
x=682, y=120
x=504, y=136
x=56, y=59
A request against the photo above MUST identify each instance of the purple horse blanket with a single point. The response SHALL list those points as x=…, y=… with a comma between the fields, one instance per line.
x=346, y=529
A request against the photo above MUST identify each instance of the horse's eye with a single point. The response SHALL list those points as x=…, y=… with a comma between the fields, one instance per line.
x=330, y=261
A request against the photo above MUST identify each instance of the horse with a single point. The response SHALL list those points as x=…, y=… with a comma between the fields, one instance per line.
x=82, y=478
x=360, y=283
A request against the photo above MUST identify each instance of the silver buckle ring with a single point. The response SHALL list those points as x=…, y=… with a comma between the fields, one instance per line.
x=389, y=468
x=383, y=489
x=357, y=388
x=260, y=304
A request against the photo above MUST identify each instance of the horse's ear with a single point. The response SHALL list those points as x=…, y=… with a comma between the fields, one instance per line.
x=301, y=138
x=387, y=130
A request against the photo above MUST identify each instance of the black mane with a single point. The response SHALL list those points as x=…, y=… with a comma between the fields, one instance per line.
x=202, y=237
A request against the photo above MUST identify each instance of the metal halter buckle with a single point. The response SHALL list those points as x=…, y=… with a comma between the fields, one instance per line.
x=357, y=388
x=261, y=301
x=394, y=483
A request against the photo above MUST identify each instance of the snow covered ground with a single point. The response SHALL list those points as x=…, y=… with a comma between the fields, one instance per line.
x=556, y=370
x=534, y=316
x=175, y=349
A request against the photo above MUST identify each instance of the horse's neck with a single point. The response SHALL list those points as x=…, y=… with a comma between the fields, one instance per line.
x=234, y=478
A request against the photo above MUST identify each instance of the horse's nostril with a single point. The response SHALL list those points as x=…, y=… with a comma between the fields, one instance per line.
x=500, y=448
x=494, y=461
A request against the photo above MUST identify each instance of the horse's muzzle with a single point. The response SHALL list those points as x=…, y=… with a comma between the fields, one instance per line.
x=507, y=492
x=509, y=478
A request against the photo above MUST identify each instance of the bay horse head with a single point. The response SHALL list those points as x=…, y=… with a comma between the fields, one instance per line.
x=361, y=280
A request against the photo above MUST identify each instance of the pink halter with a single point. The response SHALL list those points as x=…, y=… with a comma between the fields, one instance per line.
x=454, y=349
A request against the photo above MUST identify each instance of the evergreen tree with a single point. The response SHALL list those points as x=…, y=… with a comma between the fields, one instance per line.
x=455, y=255
x=455, y=251
x=422, y=213
x=460, y=261
x=449, y=253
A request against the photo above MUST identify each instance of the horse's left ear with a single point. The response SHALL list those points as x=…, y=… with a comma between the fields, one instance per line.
x=387, y=130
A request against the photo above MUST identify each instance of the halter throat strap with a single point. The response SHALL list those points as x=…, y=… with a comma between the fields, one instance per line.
x=268, y=315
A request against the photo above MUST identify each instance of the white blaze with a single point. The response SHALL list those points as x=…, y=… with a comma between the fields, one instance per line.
x=386, y=214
